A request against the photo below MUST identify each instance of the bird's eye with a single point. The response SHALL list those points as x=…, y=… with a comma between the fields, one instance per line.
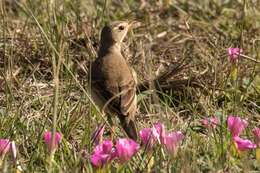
x=121, y=27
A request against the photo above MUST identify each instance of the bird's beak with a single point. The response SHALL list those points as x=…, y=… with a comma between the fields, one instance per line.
x=134, y=24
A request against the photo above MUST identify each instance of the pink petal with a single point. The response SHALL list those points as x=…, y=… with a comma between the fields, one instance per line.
x=125, y=149
x=171, y=141
x=234, y=53
x=4, y=146
x=104, y=147
x=205, y=122
x=256, y=133
x=47, y=139
x=102, y=154
x=243, y=144
x=236, y=125
x=99, y=160
x=210, y=122
x=158, y=130
x=147, y=137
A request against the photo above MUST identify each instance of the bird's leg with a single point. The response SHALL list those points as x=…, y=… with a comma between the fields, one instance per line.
x=112, y=127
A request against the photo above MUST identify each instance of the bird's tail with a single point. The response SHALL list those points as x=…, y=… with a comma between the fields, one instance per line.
x=129, y=127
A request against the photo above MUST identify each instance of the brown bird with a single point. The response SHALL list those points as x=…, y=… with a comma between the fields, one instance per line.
x=113, y=85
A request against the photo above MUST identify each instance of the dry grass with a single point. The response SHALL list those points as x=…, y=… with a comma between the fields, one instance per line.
x=46, y=47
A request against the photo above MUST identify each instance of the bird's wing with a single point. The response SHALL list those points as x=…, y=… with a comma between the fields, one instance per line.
x=107, y=95
x=128, y=97
x=121, y=99
x=118, y=98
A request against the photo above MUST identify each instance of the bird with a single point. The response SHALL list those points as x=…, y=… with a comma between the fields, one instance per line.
x=113, y=83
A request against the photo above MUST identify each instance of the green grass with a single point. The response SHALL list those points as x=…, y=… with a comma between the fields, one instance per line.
x=46, y=47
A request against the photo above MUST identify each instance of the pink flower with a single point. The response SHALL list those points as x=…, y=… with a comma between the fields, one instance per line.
x=210, y=122
x=125, y=149
x=171, y=141
x=243, y=144
x=256, y=133
x=234, y=53
x=147, y=137
x=47, y=139
x=97, y=136
x=158, y=131
x=103, y=154
x=4, y=147
x=236, y=125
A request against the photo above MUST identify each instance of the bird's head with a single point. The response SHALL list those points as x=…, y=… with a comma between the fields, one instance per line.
x=115, y=32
